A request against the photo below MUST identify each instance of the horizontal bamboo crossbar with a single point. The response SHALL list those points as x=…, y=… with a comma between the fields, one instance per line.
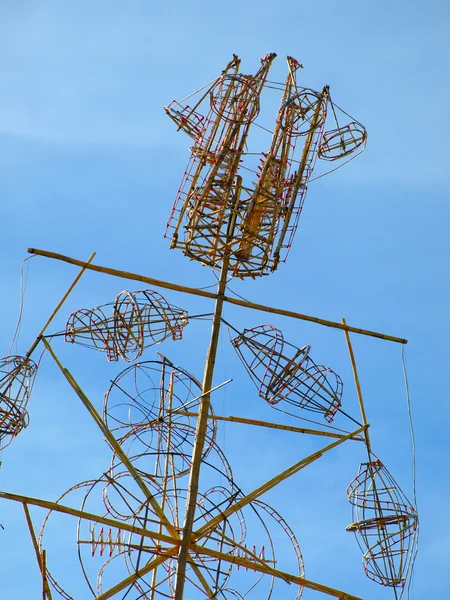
x=196, y=292
x=82, y=514
x=258, y=423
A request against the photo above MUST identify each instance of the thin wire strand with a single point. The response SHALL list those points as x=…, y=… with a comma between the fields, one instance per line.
x=413, y=458
x=23, y=286
x=310, y=420
x=336, y=168
x=199, y=89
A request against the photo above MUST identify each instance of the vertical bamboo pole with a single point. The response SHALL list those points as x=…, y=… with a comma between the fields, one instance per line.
x=358, y=387
x=40, y=557
x=45, y=589
x=202, y=421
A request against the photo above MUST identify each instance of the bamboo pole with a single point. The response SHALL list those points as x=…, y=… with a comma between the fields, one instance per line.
x=196, y=292
x=113, y=443
x=378, y=503
x=137, y=575
x=202, y=421
x=82, y=514
x=299, y=177
x=239, y=504
x=266, y=569
x=60, y=303
x=358, y=387
x=269, y=425
x=46, y=593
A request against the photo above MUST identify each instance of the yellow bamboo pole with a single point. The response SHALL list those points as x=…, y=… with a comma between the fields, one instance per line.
x=60, y=303
x=196, y=292
x=137, y=575
x=201, y=578
x=202, y=421
x=113, y=443
x=358, y=387
x=244, y=421
x=46, y=593
x=82, y=514
x=264, y=568
x=39, y=557
x=299, y=177
x=212, y=524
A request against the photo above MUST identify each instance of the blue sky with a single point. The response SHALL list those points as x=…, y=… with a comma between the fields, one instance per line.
x=88, y=161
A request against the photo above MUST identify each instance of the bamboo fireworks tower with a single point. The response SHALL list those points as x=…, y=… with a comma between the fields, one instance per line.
x=167, y=519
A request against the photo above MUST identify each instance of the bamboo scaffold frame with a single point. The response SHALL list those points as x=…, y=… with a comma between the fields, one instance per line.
x=149, y=527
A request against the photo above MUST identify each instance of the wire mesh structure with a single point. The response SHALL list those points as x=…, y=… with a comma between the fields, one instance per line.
x=269, y=208
x=282, y=371
x=17, y=375
x=138, y=320
x=385, y=525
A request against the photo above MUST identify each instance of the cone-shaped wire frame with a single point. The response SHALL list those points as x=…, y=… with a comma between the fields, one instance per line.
x=135, y=321
x=282, y=371
x=385, y=525
x=17, y=375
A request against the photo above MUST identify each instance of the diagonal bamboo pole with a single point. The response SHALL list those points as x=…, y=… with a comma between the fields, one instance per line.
x=113, y=443
x=212, y=524
x=196, y=292
x=60, y=303
x=137, y=575
x=270, y=425
x=261, y=568
x=82, y=514
x=40, y=557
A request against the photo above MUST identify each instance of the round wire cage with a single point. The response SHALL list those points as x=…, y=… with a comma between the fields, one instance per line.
x=385, y=524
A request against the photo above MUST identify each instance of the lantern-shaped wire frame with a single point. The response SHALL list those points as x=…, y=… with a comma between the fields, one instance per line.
x=17, y=375
x=281, y=371
x=139, y=319
x=385, y=525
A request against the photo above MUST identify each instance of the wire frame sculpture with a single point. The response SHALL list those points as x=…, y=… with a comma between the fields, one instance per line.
x=142, y=396
x=268, y=209
x=135, y=321
x=17, y=375
x=281, y=371
x=385, y=525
